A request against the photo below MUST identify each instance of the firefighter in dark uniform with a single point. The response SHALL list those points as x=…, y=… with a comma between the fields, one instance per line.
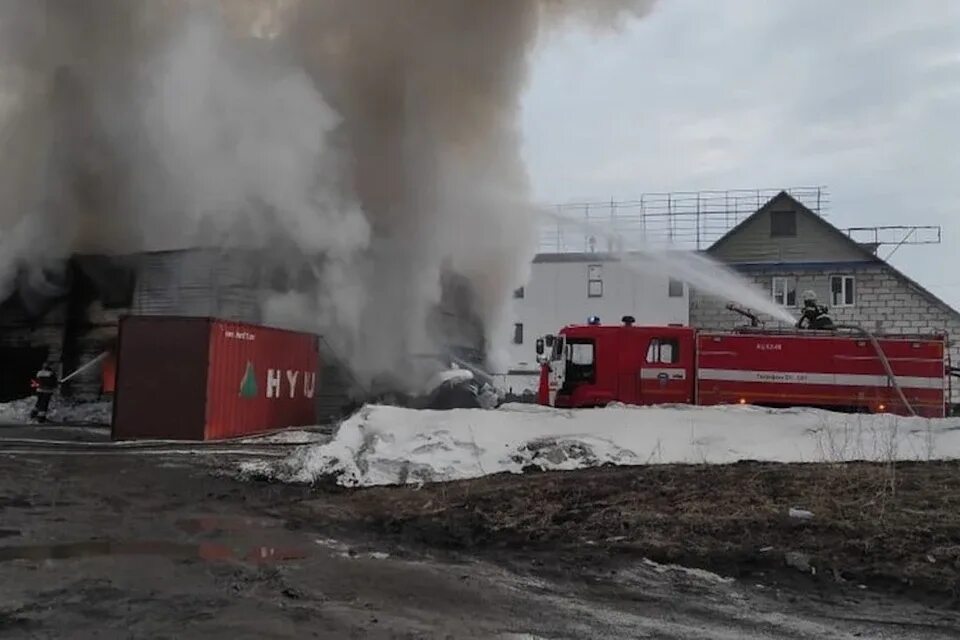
x=45, y=384
x=813, y=315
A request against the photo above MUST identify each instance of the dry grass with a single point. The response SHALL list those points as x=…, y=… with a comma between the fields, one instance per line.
x=892, y=523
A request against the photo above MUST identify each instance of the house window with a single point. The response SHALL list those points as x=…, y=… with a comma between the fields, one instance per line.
x=675, y=288
x=519, y=293
x=842, y=291
x=785, y=291
x=594, y=281
x=783, y=224
x=518, y=333
x=662, y=351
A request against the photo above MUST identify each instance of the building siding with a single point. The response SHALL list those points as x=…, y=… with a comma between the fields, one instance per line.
x=198, y=283
x=815, y=241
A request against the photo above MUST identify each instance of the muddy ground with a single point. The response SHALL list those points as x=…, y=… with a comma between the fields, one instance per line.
x=166, y=544
x=894, y=528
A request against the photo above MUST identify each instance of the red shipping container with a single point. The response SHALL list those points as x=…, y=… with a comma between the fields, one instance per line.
x=206, y=379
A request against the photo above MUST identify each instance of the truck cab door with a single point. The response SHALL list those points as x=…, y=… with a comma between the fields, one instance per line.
x=666, y=371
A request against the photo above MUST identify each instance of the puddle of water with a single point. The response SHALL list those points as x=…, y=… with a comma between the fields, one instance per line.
x=209, y=552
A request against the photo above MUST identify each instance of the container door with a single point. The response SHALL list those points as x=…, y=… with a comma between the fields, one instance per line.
x=665, y=375
x=161, y=380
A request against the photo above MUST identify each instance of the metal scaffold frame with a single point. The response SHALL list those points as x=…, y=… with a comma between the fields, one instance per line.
x=679, y=219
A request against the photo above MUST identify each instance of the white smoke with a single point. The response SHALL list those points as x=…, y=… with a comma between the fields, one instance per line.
x=372, y=143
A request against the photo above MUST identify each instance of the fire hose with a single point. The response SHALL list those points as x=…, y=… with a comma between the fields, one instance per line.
x=884, y=361
x=876, y=347
x=85, y=367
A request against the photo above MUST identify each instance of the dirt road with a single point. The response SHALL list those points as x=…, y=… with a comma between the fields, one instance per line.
x=166, y=546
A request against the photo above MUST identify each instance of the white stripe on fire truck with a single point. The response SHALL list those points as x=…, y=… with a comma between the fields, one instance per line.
x=799, y=377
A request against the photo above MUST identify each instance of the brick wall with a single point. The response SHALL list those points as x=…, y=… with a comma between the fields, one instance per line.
x=884, y=303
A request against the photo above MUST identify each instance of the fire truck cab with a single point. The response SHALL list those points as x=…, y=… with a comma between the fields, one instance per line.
x=593, y=365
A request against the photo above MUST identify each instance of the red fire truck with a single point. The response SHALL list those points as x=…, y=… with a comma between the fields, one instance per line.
x=594, y=365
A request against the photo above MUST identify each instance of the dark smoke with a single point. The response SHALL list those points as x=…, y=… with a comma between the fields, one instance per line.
x=375, y=142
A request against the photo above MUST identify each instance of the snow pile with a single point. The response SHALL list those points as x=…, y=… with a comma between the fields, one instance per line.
x=449, y=376
x=291, y=435
x=391, y=445
x=18, y=412
x=85, y=413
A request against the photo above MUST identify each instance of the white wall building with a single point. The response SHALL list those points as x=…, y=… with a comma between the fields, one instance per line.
x=568, y=288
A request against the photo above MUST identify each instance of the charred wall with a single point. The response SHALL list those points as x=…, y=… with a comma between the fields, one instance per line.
x=457, y=321
x=76, y=320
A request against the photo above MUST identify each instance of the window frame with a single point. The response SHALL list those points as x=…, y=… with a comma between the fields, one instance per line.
x=672, y=291
x=787, y=281
x=577, y=373
x=590, y=288
x=576, y=347
x=790, y=233
x=595, y=280
x=655, y=348
x=844, y=290
x=517, y=333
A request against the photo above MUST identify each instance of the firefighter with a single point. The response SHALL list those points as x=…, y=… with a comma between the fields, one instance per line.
x=45, y=383
x=813, y=315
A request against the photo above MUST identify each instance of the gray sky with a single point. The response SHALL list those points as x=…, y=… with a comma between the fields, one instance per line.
x=862, y=96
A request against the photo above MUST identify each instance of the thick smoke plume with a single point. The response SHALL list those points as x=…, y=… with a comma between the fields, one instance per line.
x=373, y=142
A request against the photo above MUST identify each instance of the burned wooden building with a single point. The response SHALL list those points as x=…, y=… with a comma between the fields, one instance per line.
x=71, y=316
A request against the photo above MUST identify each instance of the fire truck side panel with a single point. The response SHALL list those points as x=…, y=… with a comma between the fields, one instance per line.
x=836, y=371
x=666, y=358
x=628, y=365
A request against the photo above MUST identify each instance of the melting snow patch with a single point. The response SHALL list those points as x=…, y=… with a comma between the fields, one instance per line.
x=345, y=551
x=290, y=436
x=391, y=445
x=16, y=411
x=688, y=572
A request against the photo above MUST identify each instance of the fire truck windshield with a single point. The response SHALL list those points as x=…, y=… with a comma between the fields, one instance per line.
x=580, y=361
